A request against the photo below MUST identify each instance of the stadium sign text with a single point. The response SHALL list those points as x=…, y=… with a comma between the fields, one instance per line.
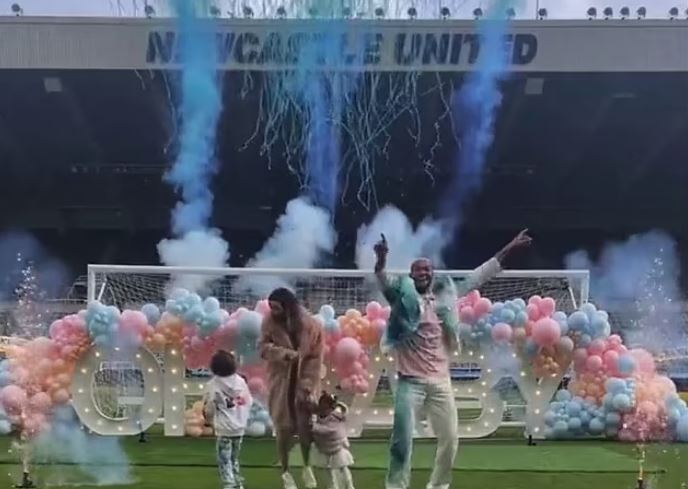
x=389, y=50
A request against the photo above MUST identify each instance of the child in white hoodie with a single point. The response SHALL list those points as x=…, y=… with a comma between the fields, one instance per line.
x=227, y=404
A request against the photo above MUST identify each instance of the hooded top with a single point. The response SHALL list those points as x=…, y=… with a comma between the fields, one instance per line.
x=228, y=403
x=405, y=302
x=329, y=432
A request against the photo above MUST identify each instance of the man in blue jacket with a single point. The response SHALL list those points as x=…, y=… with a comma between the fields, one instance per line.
x=422, y=330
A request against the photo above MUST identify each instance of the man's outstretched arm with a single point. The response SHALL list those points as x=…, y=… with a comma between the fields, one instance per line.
x=493, y=266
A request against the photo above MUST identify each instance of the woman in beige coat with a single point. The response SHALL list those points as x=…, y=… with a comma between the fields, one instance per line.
x=292, y=345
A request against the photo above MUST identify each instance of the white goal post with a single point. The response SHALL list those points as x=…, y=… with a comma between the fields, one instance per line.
x=133, y=286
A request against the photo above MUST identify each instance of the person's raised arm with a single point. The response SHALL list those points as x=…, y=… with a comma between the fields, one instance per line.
x=389, y=287
x=271, y=352
x=493, y=266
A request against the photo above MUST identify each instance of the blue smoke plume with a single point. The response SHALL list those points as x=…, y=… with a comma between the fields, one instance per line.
x=474, y=108
x=324, y=93
x=201, y=104
x=200, y=109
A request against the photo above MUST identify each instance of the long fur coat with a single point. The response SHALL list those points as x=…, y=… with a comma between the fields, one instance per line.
x=284, y=388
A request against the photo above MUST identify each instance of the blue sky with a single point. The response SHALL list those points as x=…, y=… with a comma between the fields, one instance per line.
x=556, y=8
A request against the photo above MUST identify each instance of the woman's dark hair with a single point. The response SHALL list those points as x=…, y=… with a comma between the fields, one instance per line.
x=287, y=299
x=223, y=364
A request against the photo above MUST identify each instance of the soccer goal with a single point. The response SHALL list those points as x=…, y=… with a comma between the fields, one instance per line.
x=130, y=287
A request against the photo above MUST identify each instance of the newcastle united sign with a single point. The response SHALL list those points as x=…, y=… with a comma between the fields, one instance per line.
x=388, y=50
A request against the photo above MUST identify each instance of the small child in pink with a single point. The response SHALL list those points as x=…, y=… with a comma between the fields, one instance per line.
x=329, y=435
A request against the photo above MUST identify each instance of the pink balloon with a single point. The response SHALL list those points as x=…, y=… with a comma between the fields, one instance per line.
x=61, y=396
x=41, y=402
x=373, y=310
x=597, y=347
x=611, y=360
x=547, y=306
x=535, y=300
x=501, y=332
x=566, y=344
x=263, y=307
x=482, y=307
x=615, y=339
x=346, y=384
x=467, y=315
x=473, y=296
x=13, y=398
x=380, y=324
x=348, y=350
x=533, y=312
x=594, y=363
x=386, y=311
x=546, y=332
x=361, y=386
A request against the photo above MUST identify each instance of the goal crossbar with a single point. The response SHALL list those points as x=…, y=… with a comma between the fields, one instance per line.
x=579, y=277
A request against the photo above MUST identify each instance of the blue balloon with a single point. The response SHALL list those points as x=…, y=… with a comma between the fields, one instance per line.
x=5, y=427
x=585, y=340
x=626, y=364
x=249, y=325
x=608, y=401
x=179, y=294
x=327, y=312
x=508, y=316
x=596, y=426
x=622, y=403
x=672, y=400
x=521, y=318
x=612, y=431
x=573, y=409
x=585, y=418
x=613, y=419
x=550, y=418
x=673, y=416
x=520, y=303
x=152, y=313
x=563, y=395
x=614, y=385
x=559, y=316
x=194, y=314
x=682, y=429
x=578, y=321
x=560, y=429
x=531, y=348
x=575, y=424
x=211, y=304
x=588, y=309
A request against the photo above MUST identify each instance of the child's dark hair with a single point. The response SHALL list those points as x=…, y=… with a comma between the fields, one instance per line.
x=327, y=401
x=223, y=364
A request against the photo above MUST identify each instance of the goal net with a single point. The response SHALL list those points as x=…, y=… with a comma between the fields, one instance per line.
x=130, y=287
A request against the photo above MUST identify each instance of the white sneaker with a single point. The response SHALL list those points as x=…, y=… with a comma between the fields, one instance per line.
x=309, y=478
x=288, y=481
